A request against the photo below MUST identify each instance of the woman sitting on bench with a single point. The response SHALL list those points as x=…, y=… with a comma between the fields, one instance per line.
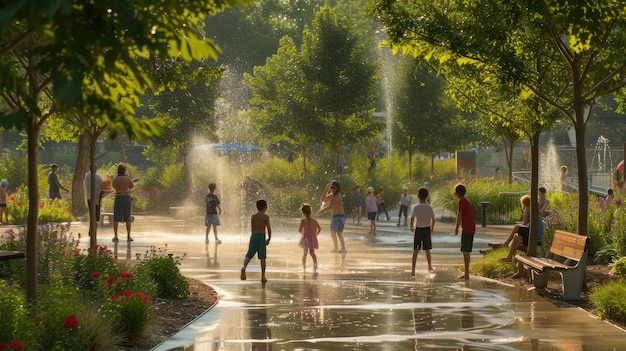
x=520, y=233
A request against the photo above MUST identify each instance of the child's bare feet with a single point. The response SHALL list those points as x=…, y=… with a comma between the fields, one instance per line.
x=243, y=273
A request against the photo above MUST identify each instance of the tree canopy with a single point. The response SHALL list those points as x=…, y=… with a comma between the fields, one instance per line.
x=560, y=53
x=72, y=56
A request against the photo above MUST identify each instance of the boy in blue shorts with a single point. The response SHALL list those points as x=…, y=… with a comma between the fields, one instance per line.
x=465, y=219
x=259, y=226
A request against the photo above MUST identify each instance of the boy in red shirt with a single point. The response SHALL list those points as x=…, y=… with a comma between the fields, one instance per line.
x=465, y=219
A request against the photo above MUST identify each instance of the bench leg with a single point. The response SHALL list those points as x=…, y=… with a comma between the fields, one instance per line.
x=572, y=284
x=540, y=279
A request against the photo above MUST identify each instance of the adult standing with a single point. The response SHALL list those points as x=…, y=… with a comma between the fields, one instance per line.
x=97, y=190
x=122, y=184
x=332, y=198
x=54, y=186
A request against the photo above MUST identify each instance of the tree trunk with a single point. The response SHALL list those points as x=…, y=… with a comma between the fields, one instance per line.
x=579, y=122
x=119, y=141
x=534, y=185
x=410, y=166
x=78, y=189
x=432, y=164
x=93, y=223
x=32, y=132
x=509, y=161
x=304, y=156
x=583, y=183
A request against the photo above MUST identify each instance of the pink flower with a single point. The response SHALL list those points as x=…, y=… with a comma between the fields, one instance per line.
x=70, y=322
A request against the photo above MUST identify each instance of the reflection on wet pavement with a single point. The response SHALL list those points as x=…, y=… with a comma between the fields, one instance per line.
x=365, y=300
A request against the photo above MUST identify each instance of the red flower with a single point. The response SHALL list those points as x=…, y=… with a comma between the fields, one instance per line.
x=17, y=345
x=4, y=346
x=110, y=280
x=115, y=297
x=38, y=319
x=41, y=205
x=128, y=293
x=13, y=200
x=70, y=322
x=95, y=275
x=146, y=299
x=125, y=275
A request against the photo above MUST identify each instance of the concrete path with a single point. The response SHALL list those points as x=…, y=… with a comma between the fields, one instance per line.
x=364, y=300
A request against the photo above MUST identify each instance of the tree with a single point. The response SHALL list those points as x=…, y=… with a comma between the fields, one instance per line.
x=424, y=117
x=82, y=56
x=281, y=107
x=321, y=93
x=578, y=39
x=339, y=81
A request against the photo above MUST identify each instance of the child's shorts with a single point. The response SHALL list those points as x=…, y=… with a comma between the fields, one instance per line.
x=467, y=242
x=371, y=215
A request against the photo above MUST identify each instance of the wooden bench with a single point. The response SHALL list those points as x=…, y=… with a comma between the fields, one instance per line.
x=567, y=256
x=109, y=217
x=11, y=255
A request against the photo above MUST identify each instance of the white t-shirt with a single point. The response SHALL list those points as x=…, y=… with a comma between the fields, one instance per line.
x=88, y=185
x=422, y=212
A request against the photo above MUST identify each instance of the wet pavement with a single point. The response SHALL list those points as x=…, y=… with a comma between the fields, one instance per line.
x=364, y=300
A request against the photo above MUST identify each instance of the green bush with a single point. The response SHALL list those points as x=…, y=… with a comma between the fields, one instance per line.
x=14, y=324
x=609, y=300
x=93, y=267
x=489, y=266
x=131, y=312
x=618, y=233
x=619, y=268
x=165, y=273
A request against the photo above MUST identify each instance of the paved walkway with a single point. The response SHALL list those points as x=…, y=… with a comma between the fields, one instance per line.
x=365, y=300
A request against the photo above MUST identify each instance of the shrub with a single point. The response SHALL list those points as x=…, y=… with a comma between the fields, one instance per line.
x=55, y=211
x=619, y=268
x=130, y=311
x=618, y=232
x=165, y=273
x=609, y=300
x=13, y=324
x=489, y=266
x=94, y=267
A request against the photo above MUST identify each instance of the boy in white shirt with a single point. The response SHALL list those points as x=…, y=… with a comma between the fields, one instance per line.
x=422, y=225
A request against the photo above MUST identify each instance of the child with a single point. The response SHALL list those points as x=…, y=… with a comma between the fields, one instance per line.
x=405, y=203
x=465, y=220
x=357, y=202
x=213, y=210
x=259, y=226
x=422, y=224
x=380, y=202
x=4, y=184
x=372, y=209
x=333, y=198
x=310, y=229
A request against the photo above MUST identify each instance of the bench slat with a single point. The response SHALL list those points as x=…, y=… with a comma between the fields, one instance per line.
x=568, y=245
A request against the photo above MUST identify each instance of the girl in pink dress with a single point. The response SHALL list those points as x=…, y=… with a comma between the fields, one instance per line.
x=309, y=228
